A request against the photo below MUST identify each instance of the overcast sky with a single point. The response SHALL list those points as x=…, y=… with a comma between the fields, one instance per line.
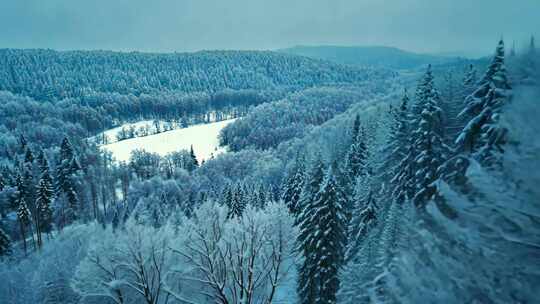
x=472, y=26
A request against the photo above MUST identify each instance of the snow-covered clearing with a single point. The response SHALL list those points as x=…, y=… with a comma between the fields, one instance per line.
x=204, y=139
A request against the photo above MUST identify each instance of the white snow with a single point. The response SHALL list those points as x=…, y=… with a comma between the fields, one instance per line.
x=204, y=139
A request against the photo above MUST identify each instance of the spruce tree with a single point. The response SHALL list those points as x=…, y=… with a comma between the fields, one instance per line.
x=307, y=282
x=532, y=46
x=5, y=243
x=364, y=219
x=396, y=144
x=329, y=237
x=238, y=203
x=483, y=136
x=44, y=199
x=194, y=163
x=24, y=218
x=29, y=156
x=292, y=188
x=356, y=159
x=431, y=150
x=65, y=181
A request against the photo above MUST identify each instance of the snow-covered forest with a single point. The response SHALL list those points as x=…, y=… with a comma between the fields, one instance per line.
x=334, y=183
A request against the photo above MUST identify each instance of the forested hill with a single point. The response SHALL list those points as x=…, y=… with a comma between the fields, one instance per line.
x=48, y=74
x=380, y=56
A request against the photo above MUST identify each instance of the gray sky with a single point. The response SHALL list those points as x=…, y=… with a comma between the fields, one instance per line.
x=472, y=26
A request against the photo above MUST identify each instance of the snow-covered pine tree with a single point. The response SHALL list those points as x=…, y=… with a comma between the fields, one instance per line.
x=24, y=218
x=43, y=203
x=451, y=102
x=431, y=151
x=483, y=136
x=356, y=159
x=238, y=203
x=194, y=162
x=65, y=182
x=329, y=237
x=45, y=193
x=395, y=148
x=5, y=243
x=364, y=218
x=28, y=156
x=292, y=188
x=308, y=285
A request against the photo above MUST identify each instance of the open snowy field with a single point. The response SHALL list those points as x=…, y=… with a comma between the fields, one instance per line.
x=204, y=139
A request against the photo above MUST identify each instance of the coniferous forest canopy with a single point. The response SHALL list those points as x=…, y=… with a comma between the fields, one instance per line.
x=351, y=175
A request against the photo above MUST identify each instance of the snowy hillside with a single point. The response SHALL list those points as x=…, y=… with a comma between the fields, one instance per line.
x=204, y=139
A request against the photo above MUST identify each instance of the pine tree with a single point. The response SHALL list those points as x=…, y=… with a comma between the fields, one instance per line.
x=261, y=197
x=428, y=142
x=356, y=159
x=29, y=156
x=483, y=137
x=194, y=162
x=329, y=237
x=364, y=219
x=65, y=182
x=292, y=188
x=5, y=243
x=532, y=46
x=44, y=199
x=238, y=204
x=24, y=218
x=23, y=142
x=307, y=283
x=395, y=147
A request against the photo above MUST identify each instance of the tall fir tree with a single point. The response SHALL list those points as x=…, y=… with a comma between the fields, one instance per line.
x=194, y=163
x=24, y=218
x=329, y=237
x=5, y=243
x=292, y=187
x=45, y=194
x=428, y=140
x=65, y=181
x=483, y=136
x=364, y=219
x=307, y=284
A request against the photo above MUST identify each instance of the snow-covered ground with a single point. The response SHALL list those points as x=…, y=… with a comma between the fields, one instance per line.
x=204, y=139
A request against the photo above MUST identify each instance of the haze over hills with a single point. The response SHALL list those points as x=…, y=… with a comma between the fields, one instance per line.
x=381, y=56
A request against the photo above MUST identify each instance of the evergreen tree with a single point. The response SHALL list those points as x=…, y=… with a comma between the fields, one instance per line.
x=24, y=218
x=44, y=199
x=483, y=136
x=293, y=185
x=356, y=159
x=532, y=46
x=307, y=283
x=5, y=243
x=428, y=142
x=65, y=182
x=396, y=144
x=364, y=219
x=329, y=237
x=23, y=143
x=194, y=163
x=28, y=156
x=238, y=204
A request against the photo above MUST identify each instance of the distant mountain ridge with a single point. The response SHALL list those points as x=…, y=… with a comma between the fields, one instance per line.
x=377, y=56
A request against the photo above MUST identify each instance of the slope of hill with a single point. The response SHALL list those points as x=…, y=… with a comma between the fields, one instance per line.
x=379, y=56
x=48, y=74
